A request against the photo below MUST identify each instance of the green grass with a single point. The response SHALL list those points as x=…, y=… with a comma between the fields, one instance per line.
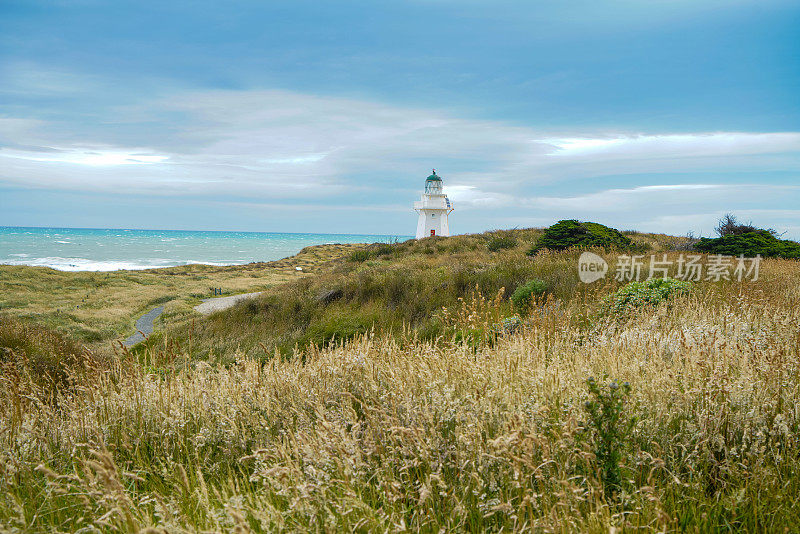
x=390, y=287
x=406, y=288
x=497, y=243
x=48, y=360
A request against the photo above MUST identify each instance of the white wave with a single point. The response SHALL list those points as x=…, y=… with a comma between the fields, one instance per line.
x=65, y=242
x=82, y=264
x=215, y=264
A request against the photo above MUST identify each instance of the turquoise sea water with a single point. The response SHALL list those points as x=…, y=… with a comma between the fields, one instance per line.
x=83, y=249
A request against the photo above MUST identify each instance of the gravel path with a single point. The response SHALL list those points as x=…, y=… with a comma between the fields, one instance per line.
x=222, y=303
x=144, y=325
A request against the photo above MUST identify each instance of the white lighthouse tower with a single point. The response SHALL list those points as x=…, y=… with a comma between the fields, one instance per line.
x=433, y=208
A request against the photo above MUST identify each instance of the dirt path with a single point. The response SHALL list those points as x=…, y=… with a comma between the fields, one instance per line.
x=144, y=325
x=222, y=303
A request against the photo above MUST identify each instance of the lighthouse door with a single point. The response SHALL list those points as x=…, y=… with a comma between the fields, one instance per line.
x=433, y=232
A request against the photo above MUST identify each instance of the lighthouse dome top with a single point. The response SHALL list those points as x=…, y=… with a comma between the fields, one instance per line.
x=433, y=185
x=434, y=177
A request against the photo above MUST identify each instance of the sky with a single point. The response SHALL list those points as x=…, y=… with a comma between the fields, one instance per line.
x=311, y=116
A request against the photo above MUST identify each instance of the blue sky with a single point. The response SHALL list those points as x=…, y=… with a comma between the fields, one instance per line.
x=326, y=117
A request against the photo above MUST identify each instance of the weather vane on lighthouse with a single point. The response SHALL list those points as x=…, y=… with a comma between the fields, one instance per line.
x=433, y=208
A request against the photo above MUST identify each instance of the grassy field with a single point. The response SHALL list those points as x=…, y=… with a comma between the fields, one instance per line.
x=675, y=417
x=99, y=307
x=390, y=287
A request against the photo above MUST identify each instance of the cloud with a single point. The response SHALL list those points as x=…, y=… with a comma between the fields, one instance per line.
x=667, y=198
x=613, y=200
x=701, y=223
x=259, y=142
x=469, y=195
x=98, y=156
x=279, y=147
x=263, y=140
x=675, y=208
x=676, y=145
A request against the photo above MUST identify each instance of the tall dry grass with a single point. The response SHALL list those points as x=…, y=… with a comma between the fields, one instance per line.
x=393, y=433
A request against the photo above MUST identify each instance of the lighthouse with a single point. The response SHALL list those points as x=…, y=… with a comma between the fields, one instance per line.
x=433, y=208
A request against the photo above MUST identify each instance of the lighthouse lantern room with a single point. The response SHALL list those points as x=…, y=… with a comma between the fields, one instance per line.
x=433, y=208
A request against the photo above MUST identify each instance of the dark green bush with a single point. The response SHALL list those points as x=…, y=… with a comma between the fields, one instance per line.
x=729, y=225
x=359, y=256
x=750, y=244
x=382, y=249
x=648, y=293
x=572, y=233
x=524, y=294
x=500, y=243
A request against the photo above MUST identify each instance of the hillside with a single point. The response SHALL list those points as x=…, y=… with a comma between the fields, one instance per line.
x=609, y=407
x=389, y=288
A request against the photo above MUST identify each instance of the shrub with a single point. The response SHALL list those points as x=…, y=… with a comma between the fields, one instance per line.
x=572, y=233
x=728, y=225
x=750, y=244
x=508, y=326
x=359, y=256
x=610, y=429
x=524, y=294
x=500, y=243
x=374, y=251
x=382, y=249
x=648, y=293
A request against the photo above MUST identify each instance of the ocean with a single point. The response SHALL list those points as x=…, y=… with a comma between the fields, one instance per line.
x=89, y=249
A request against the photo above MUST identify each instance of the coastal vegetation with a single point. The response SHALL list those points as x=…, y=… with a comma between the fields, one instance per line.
x=750, y=244
x=390, y=288
x=645, y=293
x=737, y=239
x=571, y=233
x=51, y=361
x=403, y=387
x=525, y=295
x=498, y=243
x=97, y=308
